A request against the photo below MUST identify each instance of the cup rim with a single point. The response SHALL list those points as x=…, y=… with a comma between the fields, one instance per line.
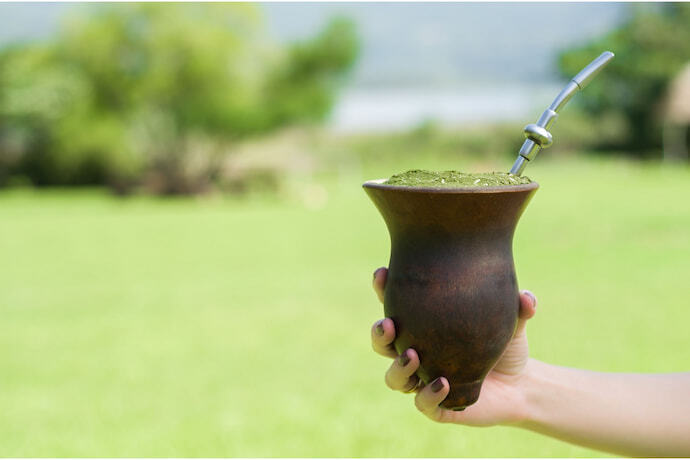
x=378, y=184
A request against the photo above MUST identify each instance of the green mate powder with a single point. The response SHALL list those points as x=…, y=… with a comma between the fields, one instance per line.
x=421, y=178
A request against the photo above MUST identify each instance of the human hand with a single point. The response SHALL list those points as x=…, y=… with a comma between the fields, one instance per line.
x=502, y=399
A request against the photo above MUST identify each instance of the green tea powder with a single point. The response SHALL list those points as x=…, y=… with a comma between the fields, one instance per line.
x=439, y=179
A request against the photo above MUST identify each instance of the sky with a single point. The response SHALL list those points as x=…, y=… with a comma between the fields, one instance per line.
x=412, y=43
x=451, y=43
x=451, y=61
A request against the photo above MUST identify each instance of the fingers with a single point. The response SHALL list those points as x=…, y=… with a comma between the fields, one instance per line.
x=528, y=308
x=380, y=275
x=429, y=398
x=383, y=331
x=528, y=304
x=382, y=337
x=400, y=376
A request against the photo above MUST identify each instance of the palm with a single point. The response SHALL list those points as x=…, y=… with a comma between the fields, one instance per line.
x=499, y=400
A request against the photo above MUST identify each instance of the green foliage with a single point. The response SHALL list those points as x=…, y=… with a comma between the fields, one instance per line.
x=311, y=73
x=651, y=48
x=430, y=141
x=140, y=91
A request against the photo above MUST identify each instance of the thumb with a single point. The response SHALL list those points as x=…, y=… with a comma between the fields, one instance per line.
x=528, y=308
x=515, y=356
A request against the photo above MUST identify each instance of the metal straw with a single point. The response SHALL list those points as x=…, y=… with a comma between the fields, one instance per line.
x=537, y=135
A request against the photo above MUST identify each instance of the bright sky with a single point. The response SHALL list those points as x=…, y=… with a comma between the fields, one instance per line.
x=455, y=62
x=413, y=43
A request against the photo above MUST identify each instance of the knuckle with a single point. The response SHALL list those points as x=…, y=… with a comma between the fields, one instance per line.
x=379, y=346
x=434, y=415
x=376, y=345
x=377, y=349
x=431, y=411
x=411, y=384
x=418, y=403
x=391, y=381
x=442, y=416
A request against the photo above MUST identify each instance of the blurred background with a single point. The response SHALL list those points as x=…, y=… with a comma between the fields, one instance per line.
x=187, y=252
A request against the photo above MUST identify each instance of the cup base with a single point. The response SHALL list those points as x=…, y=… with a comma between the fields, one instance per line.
x=462, y=395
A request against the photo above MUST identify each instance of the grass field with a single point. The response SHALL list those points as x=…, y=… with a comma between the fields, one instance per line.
x=227, y=327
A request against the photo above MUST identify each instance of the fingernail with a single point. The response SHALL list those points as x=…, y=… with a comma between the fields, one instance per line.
x=379, y=327
x=532, y=296
x=403, y=359
x=437, y=385
x=376, y=271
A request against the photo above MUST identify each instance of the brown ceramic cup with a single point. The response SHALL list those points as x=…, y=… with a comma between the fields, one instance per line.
x=451, y=288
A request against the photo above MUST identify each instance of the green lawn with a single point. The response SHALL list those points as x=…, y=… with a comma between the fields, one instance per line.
x=224, y=327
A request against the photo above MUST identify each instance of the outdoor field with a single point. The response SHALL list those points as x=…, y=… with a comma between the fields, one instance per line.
x=222, y=326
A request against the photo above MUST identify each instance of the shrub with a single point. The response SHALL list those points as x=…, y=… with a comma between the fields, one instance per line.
x=154, y=94
x=651, y=48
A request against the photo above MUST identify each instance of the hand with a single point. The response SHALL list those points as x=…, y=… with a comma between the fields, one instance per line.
x=501, y=401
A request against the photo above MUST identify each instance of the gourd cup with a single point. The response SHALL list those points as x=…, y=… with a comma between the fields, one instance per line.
x=451, y=288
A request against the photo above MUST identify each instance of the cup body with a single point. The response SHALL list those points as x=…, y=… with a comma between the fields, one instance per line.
x=451, y=289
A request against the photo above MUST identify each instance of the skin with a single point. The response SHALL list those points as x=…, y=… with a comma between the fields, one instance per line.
x=625, y=414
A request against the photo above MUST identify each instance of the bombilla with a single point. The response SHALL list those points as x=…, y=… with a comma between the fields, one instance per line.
x=537, y=135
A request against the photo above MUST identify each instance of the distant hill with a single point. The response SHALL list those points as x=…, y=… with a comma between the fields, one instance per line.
x=451, y=43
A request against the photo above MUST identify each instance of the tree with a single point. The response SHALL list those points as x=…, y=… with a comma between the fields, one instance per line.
x=136, y=92
x=651, y=48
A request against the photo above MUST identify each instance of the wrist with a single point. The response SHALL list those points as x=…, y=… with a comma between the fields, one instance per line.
x=531, y=386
